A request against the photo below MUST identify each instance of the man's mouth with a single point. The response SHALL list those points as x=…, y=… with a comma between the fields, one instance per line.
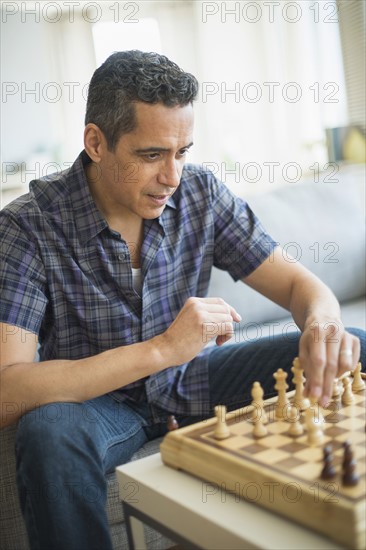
x=159, y=199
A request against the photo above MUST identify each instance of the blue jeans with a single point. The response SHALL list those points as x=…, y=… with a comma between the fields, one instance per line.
x=65, y=450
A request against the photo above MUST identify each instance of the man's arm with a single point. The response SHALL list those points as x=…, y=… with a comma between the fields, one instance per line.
x=317, y=313
x=26, y=384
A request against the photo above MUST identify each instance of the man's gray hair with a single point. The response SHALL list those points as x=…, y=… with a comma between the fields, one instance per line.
x=131, y=76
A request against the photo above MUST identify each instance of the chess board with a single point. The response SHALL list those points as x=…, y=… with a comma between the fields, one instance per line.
x=281, y=472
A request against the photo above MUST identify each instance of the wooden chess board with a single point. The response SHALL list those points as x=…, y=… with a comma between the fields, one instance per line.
x=280, y=472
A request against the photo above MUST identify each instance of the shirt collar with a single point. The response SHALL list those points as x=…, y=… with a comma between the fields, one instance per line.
x=171, y=203
x=88, y=219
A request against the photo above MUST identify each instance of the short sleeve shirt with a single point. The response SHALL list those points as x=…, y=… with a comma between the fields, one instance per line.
x=66, y=276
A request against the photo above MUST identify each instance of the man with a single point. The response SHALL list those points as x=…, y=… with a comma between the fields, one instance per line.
x=107, y=265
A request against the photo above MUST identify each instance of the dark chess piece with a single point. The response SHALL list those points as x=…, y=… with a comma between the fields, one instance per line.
x=172, y=423
x=328, y=471
x=347, y=455
x=350, y=477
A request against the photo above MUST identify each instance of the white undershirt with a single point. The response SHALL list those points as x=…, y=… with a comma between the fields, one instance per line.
x=136, y=280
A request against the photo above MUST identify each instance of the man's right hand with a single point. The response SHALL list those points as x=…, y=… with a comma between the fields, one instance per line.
x=199, y=321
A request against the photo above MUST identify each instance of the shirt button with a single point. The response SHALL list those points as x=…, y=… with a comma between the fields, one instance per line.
x=121, y=257
x=148, y=318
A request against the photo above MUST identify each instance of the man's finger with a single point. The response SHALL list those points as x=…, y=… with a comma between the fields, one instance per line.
x=313, y=358
x=218, y=305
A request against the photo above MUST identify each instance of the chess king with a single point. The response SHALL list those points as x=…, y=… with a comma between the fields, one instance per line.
x=105, y=269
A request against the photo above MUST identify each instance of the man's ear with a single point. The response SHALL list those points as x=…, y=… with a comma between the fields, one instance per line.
x=94, y=142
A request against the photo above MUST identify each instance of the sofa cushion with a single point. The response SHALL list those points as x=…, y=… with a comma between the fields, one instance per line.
x=114, y=506
x=13, y=533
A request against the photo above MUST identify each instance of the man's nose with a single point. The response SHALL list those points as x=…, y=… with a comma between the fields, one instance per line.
x=170, y=173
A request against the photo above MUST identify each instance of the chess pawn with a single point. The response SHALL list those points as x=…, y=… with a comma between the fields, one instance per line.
x=328, y=471
x=258, y=403
x=314, y=431
x=347, y=453
x=259, y=429
x=296, y=427
x=221, y=430
x=347, y=396
x=358, y=384
x=350, y=477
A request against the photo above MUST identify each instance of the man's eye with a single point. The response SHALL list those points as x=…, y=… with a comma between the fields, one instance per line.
x=152, y=156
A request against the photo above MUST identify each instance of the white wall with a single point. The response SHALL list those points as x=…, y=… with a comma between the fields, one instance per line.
x=27, y=119
x=223, y=50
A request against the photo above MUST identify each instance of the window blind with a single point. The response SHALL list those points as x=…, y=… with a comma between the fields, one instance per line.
x=352, y=22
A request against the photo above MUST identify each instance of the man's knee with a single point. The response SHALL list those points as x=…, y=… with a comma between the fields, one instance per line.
x=58, y=458
x=52, y=428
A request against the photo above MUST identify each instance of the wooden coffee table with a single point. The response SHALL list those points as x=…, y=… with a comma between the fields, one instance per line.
x=199, y=514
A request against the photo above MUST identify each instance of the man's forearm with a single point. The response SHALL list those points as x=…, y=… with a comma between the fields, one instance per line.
x=26, y=385
x=312, y=302
x=29, y=385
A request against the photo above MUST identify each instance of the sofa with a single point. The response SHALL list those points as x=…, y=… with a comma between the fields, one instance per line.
x=323, y=225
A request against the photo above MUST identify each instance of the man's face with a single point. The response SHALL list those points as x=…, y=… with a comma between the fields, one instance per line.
x=146, y=166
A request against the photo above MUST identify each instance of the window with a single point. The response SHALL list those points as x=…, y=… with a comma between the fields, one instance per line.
x=109, y=37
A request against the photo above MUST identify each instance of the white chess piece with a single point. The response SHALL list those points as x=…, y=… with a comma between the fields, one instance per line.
x=259, y=416
x=296, y=427
x=337, y=389
x=259, y=429
x=317, y=412
x=314, y=431
x=258, y=403
x=281, y=387
x=221, y=430
x=299, y=401
x=347, y=396
x=358, y=384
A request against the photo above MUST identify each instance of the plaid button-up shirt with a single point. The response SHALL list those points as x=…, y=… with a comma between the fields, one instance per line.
x=66, y=276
